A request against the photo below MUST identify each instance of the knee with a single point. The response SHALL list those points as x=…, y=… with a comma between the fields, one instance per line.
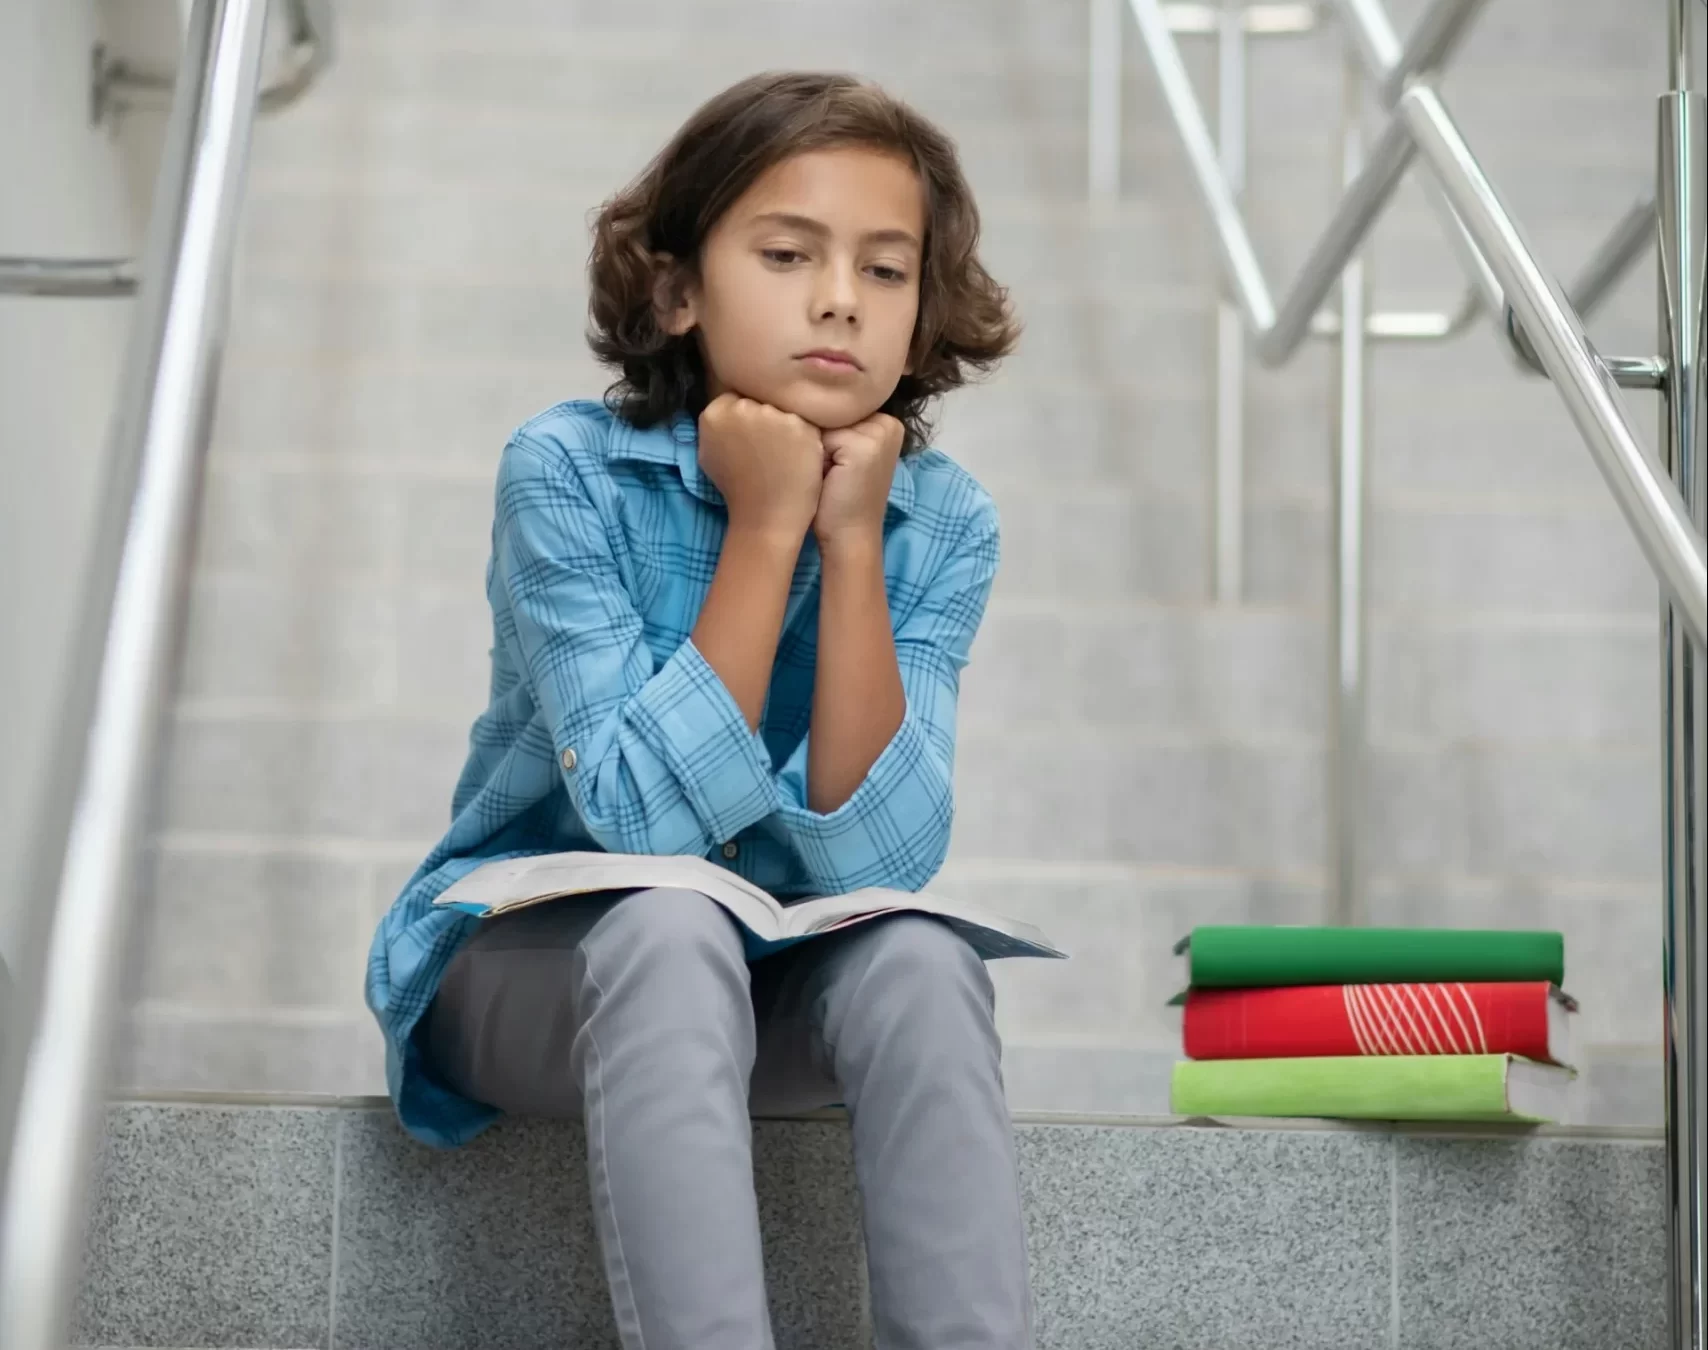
x=925, y=968
x=669, y=936
x=920, y=1002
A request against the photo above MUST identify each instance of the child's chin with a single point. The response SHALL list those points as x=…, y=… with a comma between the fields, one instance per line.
x=829, y=409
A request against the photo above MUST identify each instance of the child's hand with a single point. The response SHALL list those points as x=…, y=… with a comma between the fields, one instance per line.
x=860, y=465
x=769, y=464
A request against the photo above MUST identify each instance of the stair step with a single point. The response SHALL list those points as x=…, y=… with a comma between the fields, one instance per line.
x=292, y=1223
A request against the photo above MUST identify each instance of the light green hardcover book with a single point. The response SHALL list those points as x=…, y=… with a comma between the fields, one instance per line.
x=1374, y=1087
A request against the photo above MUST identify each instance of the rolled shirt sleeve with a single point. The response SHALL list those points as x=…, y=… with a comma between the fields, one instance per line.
x=894, y=830
x=655, y=761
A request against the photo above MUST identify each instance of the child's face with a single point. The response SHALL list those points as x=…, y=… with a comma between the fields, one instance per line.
x=820, y=257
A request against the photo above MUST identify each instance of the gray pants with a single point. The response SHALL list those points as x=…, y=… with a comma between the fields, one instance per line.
x=640, y=1013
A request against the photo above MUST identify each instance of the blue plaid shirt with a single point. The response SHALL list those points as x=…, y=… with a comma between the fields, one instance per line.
x=606, y=729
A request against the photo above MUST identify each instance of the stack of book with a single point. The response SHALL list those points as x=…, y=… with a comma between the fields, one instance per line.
x=1374, y=1024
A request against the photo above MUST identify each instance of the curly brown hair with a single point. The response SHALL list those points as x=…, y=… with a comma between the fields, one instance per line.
x=966, y=323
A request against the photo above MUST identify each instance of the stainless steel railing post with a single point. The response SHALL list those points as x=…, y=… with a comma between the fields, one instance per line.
x=1348, y=606
x=1230, y=324
x=96, y=808
x=1683, y=229
x=1103, y=129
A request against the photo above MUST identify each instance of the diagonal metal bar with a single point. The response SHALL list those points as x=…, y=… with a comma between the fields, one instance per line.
x=1279, y=335
x=1239, y=259
x=1374, y=37
x=1431, y=44
x=1359, y=207
x=1651, y=502
x=1391, y=64
x=1250, y=18
x=1632, y=237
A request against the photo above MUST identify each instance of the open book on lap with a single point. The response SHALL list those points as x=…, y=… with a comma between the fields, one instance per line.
x=768, y=925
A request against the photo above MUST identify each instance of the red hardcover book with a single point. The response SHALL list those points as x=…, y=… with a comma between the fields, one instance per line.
x=1306, y=1021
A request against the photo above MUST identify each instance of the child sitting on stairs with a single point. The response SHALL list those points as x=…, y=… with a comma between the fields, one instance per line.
x=731, y=605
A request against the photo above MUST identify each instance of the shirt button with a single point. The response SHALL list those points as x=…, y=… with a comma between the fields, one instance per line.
x=567, y=759
x=731, y=849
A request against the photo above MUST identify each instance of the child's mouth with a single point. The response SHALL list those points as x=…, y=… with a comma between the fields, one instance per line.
x=834, y=362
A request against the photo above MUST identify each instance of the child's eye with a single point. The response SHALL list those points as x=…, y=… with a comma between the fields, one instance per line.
x=782, y=256
x=884, y=272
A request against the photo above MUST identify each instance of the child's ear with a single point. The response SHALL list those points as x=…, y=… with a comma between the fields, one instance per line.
x=674, y=301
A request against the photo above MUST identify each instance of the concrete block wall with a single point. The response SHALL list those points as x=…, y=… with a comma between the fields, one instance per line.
x=1134, y=758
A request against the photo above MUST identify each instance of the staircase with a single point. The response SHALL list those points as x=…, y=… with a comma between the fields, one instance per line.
x=283, y=1226
x=1134, y=757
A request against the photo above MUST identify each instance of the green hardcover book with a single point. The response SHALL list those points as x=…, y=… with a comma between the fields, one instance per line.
x=1374, y=1087
x=1234, y=956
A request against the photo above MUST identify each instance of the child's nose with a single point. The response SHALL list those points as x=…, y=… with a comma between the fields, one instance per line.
x=839, y=297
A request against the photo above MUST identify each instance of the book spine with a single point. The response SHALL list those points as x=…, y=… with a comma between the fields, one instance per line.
x=1452, y=1087
x=1234, y=956
x=1368, y=1019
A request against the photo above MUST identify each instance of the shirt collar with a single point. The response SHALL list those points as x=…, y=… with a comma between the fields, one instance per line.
x=677, y=442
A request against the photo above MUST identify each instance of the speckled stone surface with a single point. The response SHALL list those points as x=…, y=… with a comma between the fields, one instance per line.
x=1519, y=1243
x=493, y=1245
x=211, y=1226
x=809, y=1216
x=1205, y=1239
x=490, y=1245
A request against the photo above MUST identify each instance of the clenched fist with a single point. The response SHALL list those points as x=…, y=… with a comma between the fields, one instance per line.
x=768, y=464
x=860, y=464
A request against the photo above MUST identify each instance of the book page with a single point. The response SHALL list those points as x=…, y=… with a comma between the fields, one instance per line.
x=515, y=883
x=509, y=884
x=815, y=916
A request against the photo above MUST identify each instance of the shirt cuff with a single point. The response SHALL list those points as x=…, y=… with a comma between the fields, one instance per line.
x=893, y=831
x=694, y=724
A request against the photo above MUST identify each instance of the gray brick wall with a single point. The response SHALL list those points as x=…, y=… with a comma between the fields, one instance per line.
x=1135, y=759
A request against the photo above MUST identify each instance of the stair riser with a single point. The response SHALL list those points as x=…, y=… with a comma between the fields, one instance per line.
x=291, y=1227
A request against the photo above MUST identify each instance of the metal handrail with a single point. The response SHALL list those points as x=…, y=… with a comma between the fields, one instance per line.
x=1613, y=259
x=1278, y=334
x=1652, y=504
x=119, y=86
x=1382, y=53
x=1391, y=65
x=1632, y=237
x=83, y=875
x=1667, y=511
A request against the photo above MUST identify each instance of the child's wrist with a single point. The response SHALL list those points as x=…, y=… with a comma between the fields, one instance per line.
x=766, y=535
x=852, y=543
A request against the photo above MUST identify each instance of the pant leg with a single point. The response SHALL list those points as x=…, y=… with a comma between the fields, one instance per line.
x=900, y=1014
x=638, y=1016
